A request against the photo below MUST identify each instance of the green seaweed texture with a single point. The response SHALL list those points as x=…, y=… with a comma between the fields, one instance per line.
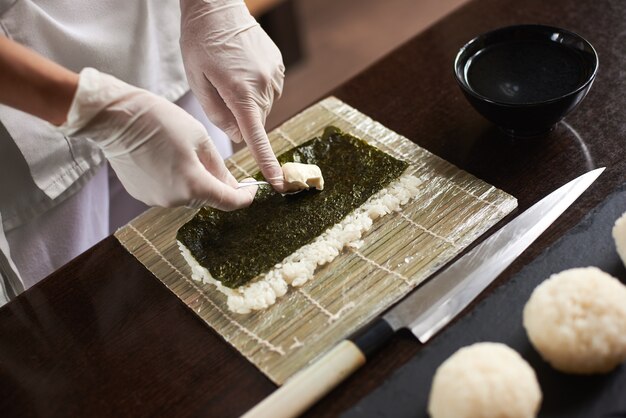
x=237, y=246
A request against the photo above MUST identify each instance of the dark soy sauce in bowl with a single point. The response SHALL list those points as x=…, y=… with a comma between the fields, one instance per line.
x=526, y=78
x=525, y=71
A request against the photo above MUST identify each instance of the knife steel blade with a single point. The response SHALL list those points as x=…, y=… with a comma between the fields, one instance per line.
x=427, y=309
x=436, y=303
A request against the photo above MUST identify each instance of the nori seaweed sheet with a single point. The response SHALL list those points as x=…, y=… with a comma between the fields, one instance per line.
x=237, y=246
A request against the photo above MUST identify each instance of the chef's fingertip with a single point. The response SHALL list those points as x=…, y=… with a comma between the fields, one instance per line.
x=278, y=184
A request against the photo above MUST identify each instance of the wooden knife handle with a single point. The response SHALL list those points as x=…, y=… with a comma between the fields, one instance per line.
x=308, y=386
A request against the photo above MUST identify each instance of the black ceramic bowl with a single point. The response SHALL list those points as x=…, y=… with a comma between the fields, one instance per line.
x=526, y=78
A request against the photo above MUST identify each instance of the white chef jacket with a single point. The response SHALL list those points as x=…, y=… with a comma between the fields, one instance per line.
x=134, y=40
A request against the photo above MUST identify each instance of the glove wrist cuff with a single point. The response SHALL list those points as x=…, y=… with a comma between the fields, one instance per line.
x=95, y=92
x=216, y=17
x=212, y=4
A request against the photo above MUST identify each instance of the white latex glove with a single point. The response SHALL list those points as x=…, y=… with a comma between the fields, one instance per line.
x=161, y=154
x=235, y=71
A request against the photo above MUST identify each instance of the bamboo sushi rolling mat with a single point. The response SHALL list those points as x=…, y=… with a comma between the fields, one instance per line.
x=402, y=249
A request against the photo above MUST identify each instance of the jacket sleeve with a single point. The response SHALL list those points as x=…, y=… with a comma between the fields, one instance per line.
x=11, y=284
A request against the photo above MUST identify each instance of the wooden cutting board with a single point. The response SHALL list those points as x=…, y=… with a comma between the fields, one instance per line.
x=401, y=250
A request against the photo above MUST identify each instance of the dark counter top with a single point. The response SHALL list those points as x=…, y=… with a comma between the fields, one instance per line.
x=102, y=336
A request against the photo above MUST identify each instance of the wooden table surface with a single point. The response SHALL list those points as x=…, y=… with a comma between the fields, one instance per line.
x=102, y=336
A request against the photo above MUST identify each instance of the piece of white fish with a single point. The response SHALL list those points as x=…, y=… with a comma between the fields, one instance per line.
x=300, y=176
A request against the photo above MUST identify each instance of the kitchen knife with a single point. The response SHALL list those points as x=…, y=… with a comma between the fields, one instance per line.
x=428, y=308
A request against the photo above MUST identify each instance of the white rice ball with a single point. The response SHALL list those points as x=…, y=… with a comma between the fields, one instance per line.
x=619, y=235
x=484, y=380
x=577, y=321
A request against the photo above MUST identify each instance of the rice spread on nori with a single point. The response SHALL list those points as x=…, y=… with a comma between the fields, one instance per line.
x=237, y=246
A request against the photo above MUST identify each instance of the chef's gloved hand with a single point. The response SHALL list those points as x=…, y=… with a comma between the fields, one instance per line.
x=161, y=154
x=235, y=71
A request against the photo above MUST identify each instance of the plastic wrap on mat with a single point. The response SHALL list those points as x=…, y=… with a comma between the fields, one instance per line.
x=401, y=250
